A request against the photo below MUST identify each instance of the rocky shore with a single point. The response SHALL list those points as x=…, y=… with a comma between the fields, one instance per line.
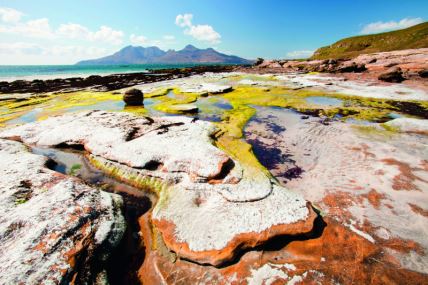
x=275, y=173
x=107, y=82
x=396, y=66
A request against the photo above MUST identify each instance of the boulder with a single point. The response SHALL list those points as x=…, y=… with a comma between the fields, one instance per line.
x=210, y=206
x=394, y=75
x=133, y=97
x=352, y=67
x=54, y=228
x=258, y=61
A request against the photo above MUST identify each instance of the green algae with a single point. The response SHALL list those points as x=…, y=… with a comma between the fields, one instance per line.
x=381, y=132
x=133, y=177
x=14, y=108
x=80, y=99
x=20, y=201
x=161, y=91
x=166, y=104
x=75, y=169
x=252, y=77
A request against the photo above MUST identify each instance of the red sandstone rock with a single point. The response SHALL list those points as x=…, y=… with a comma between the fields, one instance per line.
x=238, y=243
x=332, y=255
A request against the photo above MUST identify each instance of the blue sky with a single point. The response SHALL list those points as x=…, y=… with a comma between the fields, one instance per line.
x=63, y=32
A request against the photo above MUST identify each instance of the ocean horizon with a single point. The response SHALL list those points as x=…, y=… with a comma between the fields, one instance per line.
x=45, y=72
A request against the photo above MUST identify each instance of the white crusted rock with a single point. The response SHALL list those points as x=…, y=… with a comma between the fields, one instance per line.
x=50, y=224
x=211, y=206
x=409, y=125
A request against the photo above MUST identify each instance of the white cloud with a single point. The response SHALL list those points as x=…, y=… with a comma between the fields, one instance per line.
x=138, y=40
x=107, y=34
x=379, y=27
x=20, y=48
x=38, y=28
x=300, y=54
x=184, y=20
x=9, y=15
x=200, y=32
x=74, y=51
x=204, y=33
x=104, y=34
x=144, y=41
x=73, y=31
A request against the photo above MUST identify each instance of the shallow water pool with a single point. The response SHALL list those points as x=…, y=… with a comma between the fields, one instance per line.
x=324, y=101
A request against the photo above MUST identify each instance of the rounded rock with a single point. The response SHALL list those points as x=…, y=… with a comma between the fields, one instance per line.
x=133, y=97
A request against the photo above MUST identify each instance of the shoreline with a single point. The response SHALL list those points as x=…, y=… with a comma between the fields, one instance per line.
x=107, y=82
x=408, y=67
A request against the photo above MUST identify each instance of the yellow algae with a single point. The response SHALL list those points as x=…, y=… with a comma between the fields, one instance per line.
x=252, y=77
x=130, y=176
x=84, y=98
x=136, y=110
x=229, y=138
x=161, y=91
x=374, y=131
x=165, y=102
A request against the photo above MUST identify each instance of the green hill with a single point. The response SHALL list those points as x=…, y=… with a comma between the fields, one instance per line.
x=413, y=37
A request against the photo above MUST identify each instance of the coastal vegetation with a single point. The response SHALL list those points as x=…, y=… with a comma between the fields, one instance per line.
x=410, y=38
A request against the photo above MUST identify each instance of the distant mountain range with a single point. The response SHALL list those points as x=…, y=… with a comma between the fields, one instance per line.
x=413, y=37
x=142, y=55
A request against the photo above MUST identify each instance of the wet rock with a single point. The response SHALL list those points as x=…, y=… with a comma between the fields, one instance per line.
x=394, y=75
x=423, y=73
x=351, y=67
x=210, y=88
x=361, y=176
x=133, y=97
x=258, y=61
x=211, y=206
x=409, y=125
x=107, y=82
x=328, y=255
x=184, y=108
x=54, y=228
x=397, y=92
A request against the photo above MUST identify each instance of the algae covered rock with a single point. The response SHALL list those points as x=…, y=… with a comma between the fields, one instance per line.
x=53, y=227
x=133, y=97
x=183, y=108
x=408, y=125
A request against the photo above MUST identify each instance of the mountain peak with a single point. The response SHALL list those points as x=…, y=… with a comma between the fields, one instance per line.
x=190, y=48
x=190, y=54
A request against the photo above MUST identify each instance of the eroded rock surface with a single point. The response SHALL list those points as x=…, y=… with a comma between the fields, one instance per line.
x=411, y=60
x=53, y=228
x=372, y=180
x=409, y=125
x=210, y=205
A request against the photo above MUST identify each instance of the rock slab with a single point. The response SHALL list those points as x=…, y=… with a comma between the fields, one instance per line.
x=210, y=206
x=53, y=227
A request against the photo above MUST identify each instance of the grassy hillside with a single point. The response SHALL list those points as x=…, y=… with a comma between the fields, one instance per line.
x=413, y=37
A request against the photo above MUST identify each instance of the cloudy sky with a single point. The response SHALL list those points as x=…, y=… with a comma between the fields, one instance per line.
x=66, y=31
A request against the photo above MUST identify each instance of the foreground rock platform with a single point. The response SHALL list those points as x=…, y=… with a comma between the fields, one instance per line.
x=210, y=206
x=54, y=228
x=371, y=178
